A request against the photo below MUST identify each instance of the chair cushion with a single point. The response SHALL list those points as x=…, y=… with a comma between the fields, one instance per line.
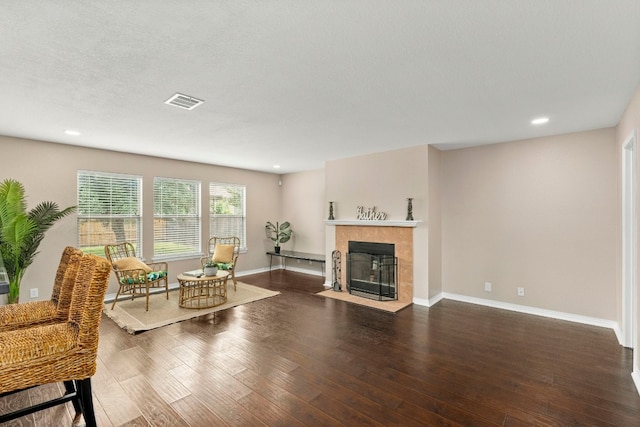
x=28, y=345
x=224, y=265
x=223, y=253
x=154, y=275
x=132, y=263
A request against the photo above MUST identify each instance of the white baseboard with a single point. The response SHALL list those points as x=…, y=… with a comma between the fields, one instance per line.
x=586, y=320
x=421, y=301
x=636, y=380
x=428, y=302
x=618, y=331
x=310, y=271
x=254, y=271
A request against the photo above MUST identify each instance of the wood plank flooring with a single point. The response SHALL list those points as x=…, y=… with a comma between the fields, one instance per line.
x=299, y=359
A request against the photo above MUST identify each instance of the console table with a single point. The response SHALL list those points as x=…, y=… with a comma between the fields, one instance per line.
x=302, y=256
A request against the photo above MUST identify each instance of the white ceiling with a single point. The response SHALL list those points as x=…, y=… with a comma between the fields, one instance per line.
x=297, y=83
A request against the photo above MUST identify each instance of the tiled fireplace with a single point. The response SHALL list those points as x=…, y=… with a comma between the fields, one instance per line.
x=400, y=236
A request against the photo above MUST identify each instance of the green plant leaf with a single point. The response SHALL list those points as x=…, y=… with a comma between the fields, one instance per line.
x=20, y=232
x=284, y=225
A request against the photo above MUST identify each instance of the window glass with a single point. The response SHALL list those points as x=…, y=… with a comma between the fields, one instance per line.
x=176, y=218
x=227, y=211
x=109, y=210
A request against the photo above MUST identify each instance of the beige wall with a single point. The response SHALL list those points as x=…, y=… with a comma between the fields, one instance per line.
x=48, y=171
x=303, y=204
x=435, y=223
x=385, y=180
x=539, y=214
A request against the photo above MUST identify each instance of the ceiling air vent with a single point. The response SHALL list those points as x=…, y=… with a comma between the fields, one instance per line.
x=184, y=101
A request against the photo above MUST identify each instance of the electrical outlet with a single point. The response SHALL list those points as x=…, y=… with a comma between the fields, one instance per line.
x=33, y=292
x=520, y=292
x=487, y=287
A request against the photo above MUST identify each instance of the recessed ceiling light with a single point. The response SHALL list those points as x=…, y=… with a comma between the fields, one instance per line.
x=72, y=132
x=540, y=121
x=276, y=166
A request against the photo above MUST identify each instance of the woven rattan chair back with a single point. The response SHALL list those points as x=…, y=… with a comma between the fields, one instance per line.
x=32, y=313
x=135, y=282
x=119, y=251
x=60, y=352
x=65, y=280
x=231, y=240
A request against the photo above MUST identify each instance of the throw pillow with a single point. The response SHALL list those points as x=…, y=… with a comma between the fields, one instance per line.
x=223, y=253
x=132, y=263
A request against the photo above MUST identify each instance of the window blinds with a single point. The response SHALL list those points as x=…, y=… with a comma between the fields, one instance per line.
x=176, y=215
x=109, y=210
x=227, y=216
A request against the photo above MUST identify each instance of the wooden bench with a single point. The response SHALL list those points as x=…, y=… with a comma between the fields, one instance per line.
x=303, y=256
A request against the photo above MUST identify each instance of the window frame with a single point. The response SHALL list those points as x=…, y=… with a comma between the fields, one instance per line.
x=134, y=181
x=215, y=185
x=196, y=216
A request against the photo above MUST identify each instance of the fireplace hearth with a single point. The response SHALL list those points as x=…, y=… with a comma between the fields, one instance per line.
x=372, y=270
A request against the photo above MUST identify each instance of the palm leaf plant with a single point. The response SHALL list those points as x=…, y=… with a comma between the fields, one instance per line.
x=279, y=233
x=21, y=231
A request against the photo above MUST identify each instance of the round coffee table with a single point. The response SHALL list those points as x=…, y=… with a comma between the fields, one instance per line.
x=204, y=291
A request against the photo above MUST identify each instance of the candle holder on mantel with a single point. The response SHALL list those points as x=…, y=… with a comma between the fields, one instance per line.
x=410, y=209
x=331, y=218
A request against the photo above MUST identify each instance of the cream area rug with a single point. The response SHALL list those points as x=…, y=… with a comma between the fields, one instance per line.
x=131, y=315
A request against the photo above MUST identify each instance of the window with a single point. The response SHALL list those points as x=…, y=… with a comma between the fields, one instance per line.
x=227, y=211
x=176, y=218
x=109, y=210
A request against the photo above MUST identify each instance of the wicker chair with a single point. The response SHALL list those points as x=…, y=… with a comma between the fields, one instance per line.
x=60, y=352
x=55, y=310
x=226, y=258
x=134, y=276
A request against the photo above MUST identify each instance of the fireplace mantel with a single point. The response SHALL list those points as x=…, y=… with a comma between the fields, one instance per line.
x=363, y=222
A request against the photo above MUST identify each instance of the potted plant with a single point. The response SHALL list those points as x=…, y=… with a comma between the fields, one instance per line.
x=21, y=232
x=279, y=233
x=210, y=268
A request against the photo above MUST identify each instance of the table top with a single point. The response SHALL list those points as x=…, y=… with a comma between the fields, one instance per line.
x=298, y=255
x=222, y=274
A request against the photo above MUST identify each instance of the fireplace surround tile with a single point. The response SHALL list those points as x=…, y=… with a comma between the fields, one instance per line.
x=401, y=237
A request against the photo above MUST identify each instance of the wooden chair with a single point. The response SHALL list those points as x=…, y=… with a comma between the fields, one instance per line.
x=59, y=352
x=226, y=256
x=55, y=310
x=134, y=276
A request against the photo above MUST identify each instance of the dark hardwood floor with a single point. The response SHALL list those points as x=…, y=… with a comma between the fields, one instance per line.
x=300, y=359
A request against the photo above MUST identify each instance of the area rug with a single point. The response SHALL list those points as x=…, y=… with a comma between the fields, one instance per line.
x=132, y=317
x=390, y=306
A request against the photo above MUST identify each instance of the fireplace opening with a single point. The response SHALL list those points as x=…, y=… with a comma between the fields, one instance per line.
x=372, y=270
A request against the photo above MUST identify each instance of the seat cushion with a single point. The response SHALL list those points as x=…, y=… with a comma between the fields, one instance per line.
x=131, y=263
x=224, y=265
x=150, y=277
x=223, y=253
x=39, y=343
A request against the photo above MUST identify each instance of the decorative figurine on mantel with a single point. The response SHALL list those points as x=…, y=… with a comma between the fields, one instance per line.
x=370, y=214
x=409, y=209
x=331, y=218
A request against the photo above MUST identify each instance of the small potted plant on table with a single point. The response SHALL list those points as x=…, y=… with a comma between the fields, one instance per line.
x=279, y=233
x=210, y=268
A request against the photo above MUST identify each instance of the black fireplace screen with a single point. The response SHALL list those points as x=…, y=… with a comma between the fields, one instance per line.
x=372, y=270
